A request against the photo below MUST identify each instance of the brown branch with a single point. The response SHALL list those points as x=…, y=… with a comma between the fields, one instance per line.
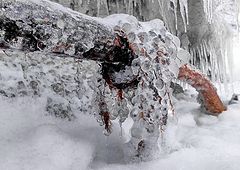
x=207, y=92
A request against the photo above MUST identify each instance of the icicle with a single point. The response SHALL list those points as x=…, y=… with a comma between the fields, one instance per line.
x=175, y=6
x=140, y=8
x=106, y=6
x=117, y=7
x=160, y=8
x=163, y=11
x=200, y=57
x=238, y=14
x=184, y=12
x=208, y=9
x=205, y=56
x=202, y=61
x=98, y=7
x=121, y=129
x=194, y=56
x=80, y=2
x=125, y=5
x=130, y=7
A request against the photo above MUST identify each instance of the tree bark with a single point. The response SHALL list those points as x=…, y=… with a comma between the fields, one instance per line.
x=208, y=97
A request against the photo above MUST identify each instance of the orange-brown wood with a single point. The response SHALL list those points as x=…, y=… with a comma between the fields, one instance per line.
x=207, y=92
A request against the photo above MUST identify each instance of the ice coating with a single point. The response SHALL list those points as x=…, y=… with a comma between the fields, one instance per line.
x=134, y=64
x=158, y=62
x=194, y=22
x=54, y=28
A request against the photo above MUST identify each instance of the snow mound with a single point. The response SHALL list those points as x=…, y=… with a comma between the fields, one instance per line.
x=30, y=140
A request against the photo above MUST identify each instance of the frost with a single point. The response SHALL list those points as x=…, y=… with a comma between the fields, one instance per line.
x=218, y=20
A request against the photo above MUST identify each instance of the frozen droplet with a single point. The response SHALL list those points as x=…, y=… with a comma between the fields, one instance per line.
x=156, y=40
x=114, y=114
x=122, y=119
x=106, y=132
x=152, y=33
x=135, y=66
x=135, y=100
x=159, y=84
x=176, y=41
x=183, y=57
x=143, y=37
x=117, y=29
x=169, y=39
x=163, y=31
x=146, y=65
x=157, y=67
x=167, y=76
x=60, y=24
x=149, y=128
x=136, y=62
x=174, y=68
x=126, y=27
x=150, y=76
x=131, y=37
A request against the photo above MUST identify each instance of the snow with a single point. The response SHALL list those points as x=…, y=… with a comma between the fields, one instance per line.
x=31, y=140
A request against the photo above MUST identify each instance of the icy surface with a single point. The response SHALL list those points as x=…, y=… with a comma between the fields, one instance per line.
x=153, y=57
x=206, y=26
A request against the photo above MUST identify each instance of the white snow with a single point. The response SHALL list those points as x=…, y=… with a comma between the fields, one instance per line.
x=31, y=140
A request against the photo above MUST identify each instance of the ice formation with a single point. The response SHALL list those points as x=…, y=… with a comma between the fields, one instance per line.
x=216, y=50
x=205, y=27
x=117, y=66
x=159, y=57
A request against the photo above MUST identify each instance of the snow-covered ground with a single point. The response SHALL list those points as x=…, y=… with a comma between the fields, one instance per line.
x=29, y=139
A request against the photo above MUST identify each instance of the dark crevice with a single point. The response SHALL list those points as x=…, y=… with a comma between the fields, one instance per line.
x=114, y=55
x=30, y=41
x=114, y=58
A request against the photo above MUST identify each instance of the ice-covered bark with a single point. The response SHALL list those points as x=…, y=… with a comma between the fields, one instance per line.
x=205, y=27
x=33, y=27
x=208, y=97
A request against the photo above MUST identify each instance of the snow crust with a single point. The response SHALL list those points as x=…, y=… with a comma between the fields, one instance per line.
x=31, y=140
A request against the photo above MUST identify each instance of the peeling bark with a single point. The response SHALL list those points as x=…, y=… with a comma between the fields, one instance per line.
x=208, y=96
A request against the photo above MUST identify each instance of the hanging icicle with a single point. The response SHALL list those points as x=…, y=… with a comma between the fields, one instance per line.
x=105, y=3
x=98, y=7
x=175, y=6
x=184, y=12
x=208, y=9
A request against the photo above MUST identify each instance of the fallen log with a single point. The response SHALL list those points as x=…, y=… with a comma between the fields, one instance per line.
x=208, y=97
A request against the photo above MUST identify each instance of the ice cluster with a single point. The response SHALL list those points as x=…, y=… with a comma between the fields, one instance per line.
x=206, y=27
x=42, y=37
x=157, y=64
